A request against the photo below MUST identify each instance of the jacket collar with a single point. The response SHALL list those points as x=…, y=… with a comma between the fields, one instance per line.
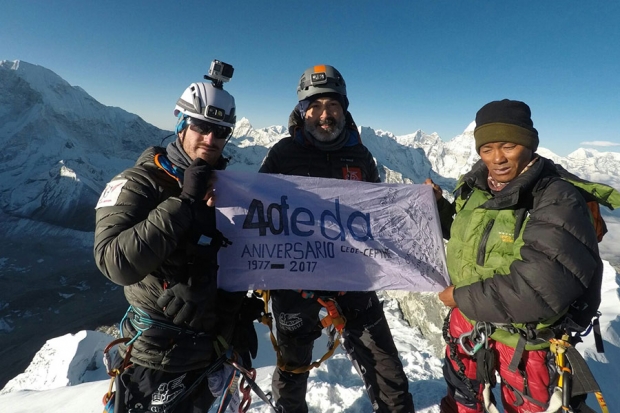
x=512, y=195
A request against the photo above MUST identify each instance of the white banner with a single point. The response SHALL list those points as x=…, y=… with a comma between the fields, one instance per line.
x=292, y=232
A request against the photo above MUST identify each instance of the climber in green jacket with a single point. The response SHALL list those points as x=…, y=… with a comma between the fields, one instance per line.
x=523, y=258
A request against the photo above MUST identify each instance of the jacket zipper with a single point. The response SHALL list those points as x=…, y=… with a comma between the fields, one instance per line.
x=483, y=242
x=329, y=164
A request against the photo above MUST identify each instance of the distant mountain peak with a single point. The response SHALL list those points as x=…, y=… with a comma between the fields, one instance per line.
x=43, y=121
x=10, y=64
x=470, y=128
x=39, y=77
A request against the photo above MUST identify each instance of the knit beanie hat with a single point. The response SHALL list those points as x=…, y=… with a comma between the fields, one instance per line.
x=505, y=121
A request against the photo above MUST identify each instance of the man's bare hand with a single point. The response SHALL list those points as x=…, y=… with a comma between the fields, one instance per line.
x=447, y=297
x=436, y=188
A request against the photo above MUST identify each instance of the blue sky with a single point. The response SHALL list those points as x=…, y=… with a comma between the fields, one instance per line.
x=408, y=65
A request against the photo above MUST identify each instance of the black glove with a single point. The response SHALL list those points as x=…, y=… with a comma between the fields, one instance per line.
x=196, y=181
x=252, y=308
x=186, y=303
x=245, y=339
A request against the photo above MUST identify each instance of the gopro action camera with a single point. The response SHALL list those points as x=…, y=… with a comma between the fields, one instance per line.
x=220, y=71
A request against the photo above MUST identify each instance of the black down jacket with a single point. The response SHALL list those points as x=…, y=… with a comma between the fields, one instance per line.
x=147, y=237
x=527, y=254
x=296, y=155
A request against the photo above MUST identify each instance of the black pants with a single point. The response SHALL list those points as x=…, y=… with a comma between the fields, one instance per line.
x=367, y=341
x=147, y=390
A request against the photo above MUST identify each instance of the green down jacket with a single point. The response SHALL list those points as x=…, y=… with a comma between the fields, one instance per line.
x=527, y=256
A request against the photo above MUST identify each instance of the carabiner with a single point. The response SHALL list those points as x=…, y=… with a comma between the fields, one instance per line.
x=478, y=343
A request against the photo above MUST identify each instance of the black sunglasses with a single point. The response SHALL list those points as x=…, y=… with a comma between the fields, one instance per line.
x=204, y=128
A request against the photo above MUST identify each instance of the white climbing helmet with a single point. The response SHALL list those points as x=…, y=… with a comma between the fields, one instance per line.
x=208, y=103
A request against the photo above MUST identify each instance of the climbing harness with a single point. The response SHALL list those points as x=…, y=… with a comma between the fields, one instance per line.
x=141, y=322
x=334, y=322
x=242, y=379
x=574, y=375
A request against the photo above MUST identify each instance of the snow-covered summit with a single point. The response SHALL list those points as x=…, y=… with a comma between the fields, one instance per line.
x=64, y=361
x=58, y=145
x=470, y=128
x=245, y=135
x=57, y=94
x=593, y=165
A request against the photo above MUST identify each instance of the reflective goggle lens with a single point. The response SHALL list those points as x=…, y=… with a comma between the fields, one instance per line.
x=204, y=128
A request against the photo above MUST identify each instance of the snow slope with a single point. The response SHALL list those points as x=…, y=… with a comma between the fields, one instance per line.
x=67, y=374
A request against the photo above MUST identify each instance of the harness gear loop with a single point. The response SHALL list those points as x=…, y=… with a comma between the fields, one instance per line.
x=114, y=372
x=334, y=316
x=452, y=346
x=479, y=336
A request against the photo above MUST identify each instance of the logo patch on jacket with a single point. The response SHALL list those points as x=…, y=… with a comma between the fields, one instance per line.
x=167, y=392
x=110, y=194
x=506, y=237
x=290, y=321
x=351, y=173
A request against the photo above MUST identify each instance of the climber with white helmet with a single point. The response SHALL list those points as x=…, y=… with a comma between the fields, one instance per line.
x=205, y=120
x=156, y=236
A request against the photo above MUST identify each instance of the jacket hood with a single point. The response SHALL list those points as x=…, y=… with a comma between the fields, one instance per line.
x=148, y=155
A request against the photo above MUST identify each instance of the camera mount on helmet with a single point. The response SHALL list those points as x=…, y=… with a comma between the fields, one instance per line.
x=219, y=73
